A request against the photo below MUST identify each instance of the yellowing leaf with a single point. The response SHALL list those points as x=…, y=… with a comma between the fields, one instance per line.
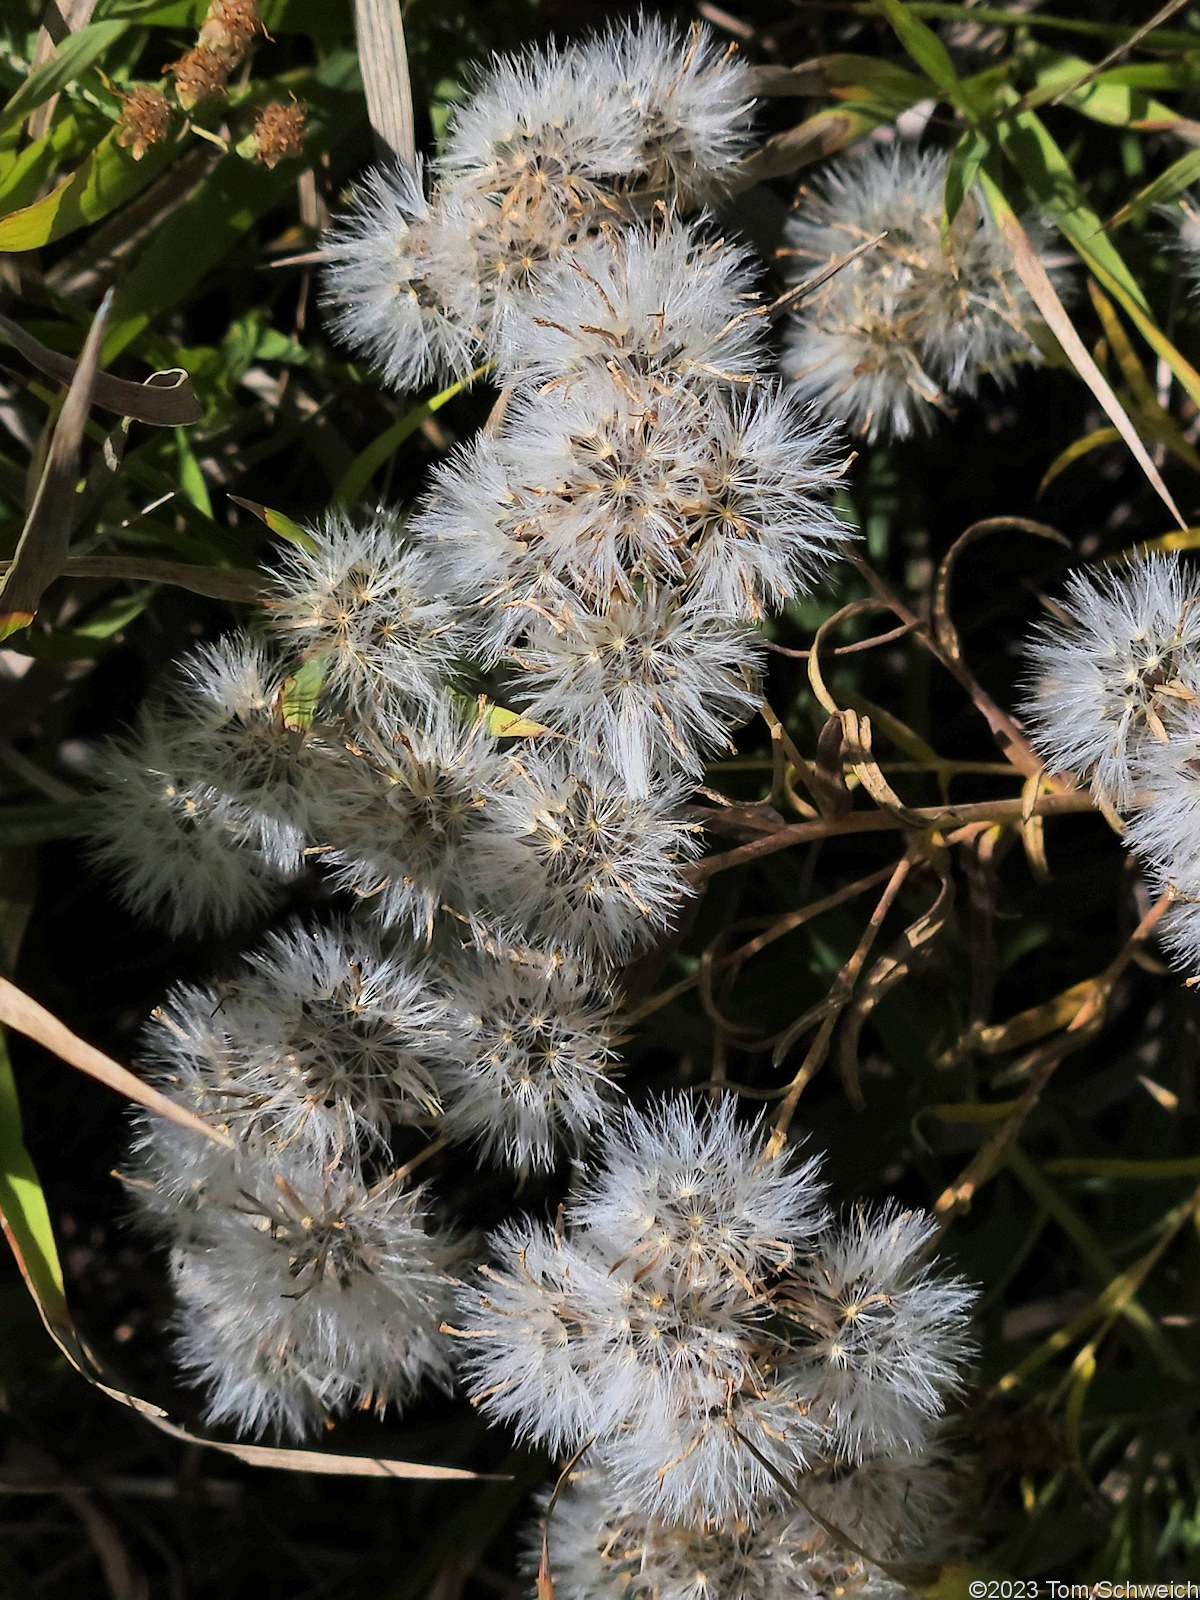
x=511, y=724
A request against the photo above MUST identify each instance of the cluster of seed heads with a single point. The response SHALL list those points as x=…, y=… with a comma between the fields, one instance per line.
x=646, y=493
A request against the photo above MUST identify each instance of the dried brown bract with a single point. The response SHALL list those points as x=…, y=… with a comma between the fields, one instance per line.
x=145, y=119
x=200, y=74
x=230, y=26
x=279, y=132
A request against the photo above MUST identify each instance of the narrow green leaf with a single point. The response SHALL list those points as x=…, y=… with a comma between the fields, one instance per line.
x=365, y=465
x=23, y=1210
x=1178, y=176
x=1109, y=97
x=191, y=480
x=279, y=524
x=32, y=167
x=39, y=824
x=922, y=44
x=1075, y=452
x=72, y=58
x=1042, y=292
x=962, y=169
x=942, y=11
x=1047, y=174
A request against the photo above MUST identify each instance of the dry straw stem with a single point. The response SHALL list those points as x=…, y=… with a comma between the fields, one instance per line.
x=736, y=959
x=1006, y=730
x=61, y=18
x=1037, y=281
x=1039, y=1067
x=1062, y=802
x=383, y=56
x=18, y=1010
x=830, y=1009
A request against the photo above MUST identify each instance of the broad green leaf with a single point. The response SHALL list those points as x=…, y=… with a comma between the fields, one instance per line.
x=23, y=1210
x=365, y=465
x=73, y=57
x=1109, y=97
x=106, y=179
x=32, y=167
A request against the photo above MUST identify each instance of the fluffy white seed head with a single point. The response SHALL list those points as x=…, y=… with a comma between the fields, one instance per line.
x=188, y=1053
x=1186, y=215
x=398, y=829
x=1109, y=679
x=365, y=599
x=568, y=1342
x=708, y=1331
x=652, y=686
x=894, y=335
x=400, y=280
x=310, y=1294
x=204, y=810
x=533, y=1329
x=613, y=485
x=339, y=1037
x=602, y=1548
x=162, y=830
x=692, y=99
x=695, y=1199
x=667, y=301
x=890, y=1335
x=574, y=860
x=527, y=1075
x=540, y=131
